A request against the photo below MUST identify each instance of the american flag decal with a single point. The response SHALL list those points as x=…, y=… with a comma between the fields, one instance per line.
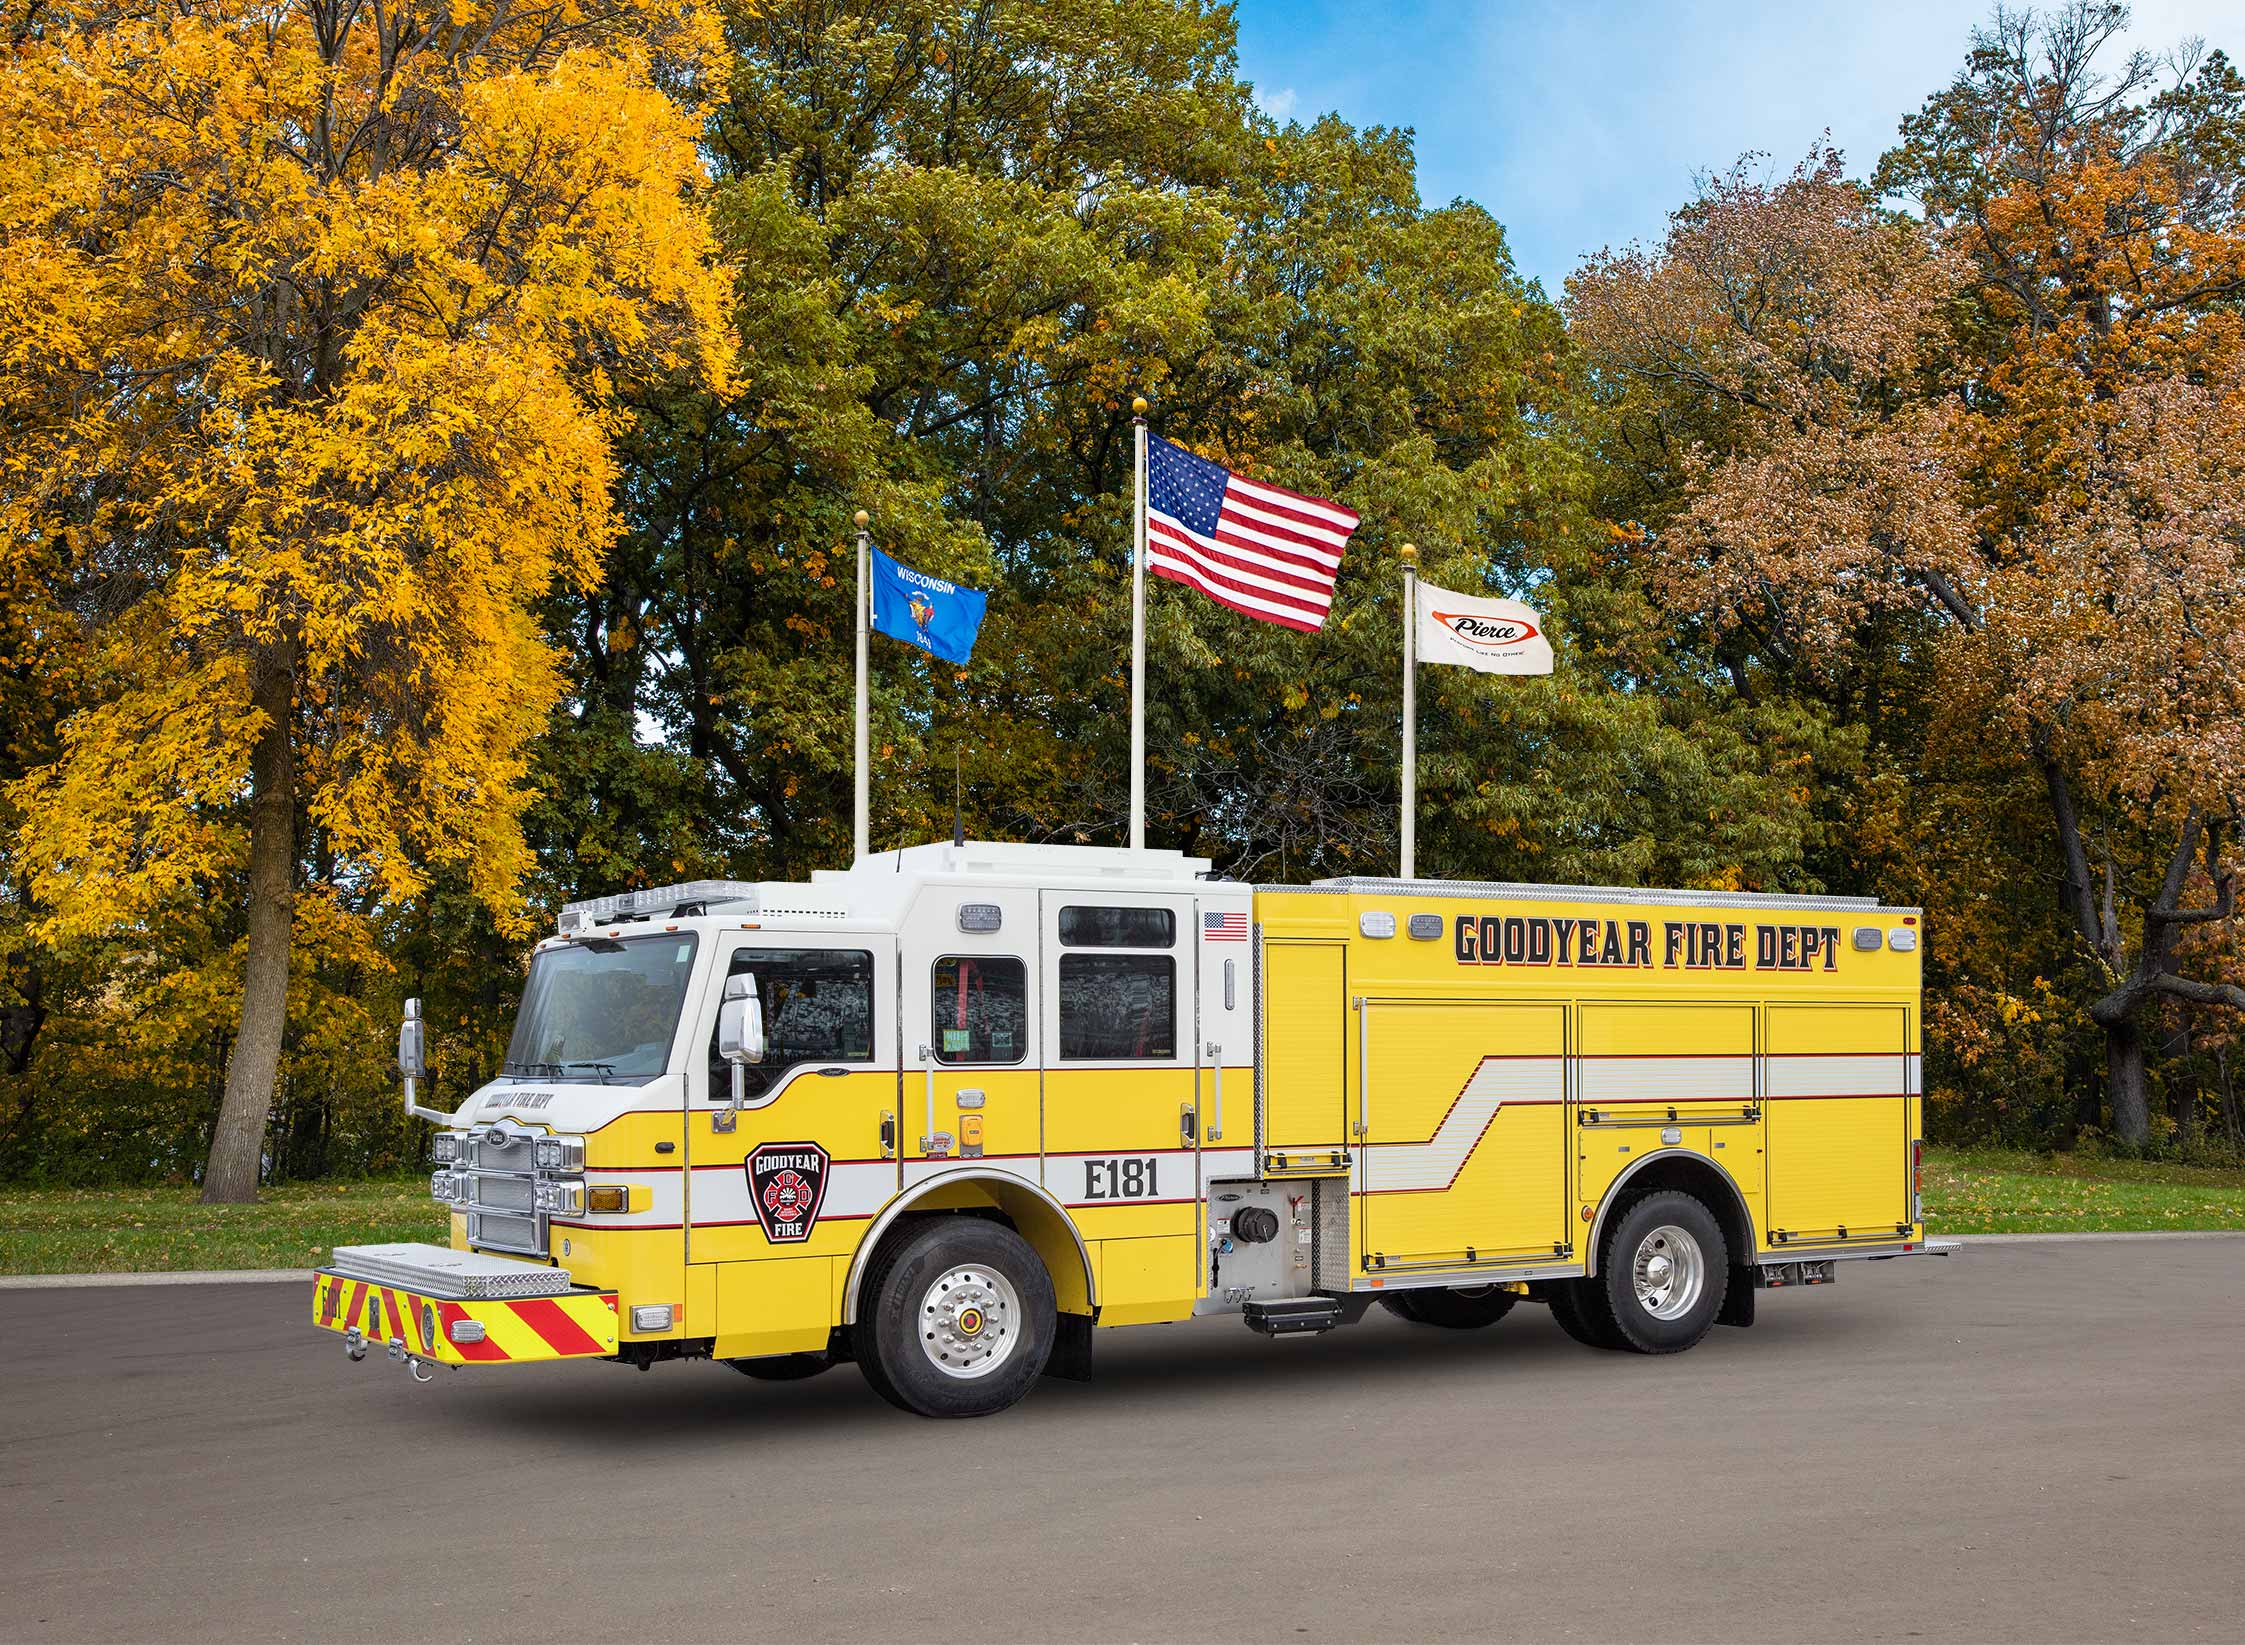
x=1224, y=927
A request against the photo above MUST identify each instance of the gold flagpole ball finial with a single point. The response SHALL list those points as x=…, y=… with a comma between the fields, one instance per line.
x=862, y=519
x=1138, y=406
x=1409, y=552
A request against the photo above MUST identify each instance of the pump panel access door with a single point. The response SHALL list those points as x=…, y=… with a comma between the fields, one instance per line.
x=1464, y=1161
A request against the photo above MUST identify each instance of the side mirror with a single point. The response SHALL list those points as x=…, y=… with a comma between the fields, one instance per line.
x=413, y=1061
x=740, y=1022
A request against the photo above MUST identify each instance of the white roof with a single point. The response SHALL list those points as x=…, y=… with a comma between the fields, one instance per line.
x=1007, y=859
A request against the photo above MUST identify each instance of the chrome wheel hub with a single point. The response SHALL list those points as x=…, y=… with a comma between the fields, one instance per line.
x=970, y=1319
x=1668, y=1272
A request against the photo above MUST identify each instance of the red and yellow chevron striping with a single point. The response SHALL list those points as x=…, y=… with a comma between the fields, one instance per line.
x=575, y=1325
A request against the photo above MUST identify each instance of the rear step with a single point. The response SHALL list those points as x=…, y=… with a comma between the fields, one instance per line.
x=1292, y=1316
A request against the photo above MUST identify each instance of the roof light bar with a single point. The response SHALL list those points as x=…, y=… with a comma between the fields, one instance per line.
x=694, y=896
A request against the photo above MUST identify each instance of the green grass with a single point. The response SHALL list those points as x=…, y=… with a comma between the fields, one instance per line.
x=145, y=1230
x=148, y=1230
x=1990, y=1191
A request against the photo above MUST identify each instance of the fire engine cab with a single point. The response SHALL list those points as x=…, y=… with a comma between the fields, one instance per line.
x=948, y=1111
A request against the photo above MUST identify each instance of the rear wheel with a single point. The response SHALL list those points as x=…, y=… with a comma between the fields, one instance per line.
x=1457, y=1308
x=959, y=1319
x=1662, y=1274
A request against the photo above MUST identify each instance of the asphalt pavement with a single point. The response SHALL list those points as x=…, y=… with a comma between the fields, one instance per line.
x=2038, y=1442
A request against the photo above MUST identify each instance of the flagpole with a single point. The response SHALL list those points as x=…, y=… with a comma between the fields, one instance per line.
x=861, y=822
x=1138, y=634
x=1410, y=556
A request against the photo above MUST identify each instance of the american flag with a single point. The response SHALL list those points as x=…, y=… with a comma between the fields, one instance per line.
x=1257, y=548
x=1224, y=927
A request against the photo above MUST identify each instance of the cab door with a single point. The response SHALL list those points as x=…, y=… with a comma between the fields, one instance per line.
x=778, y=1193
x=1121, y=975
x=972, y=1095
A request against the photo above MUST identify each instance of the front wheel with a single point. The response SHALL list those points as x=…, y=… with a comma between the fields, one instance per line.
x=960, y=1319
x=1662, y=1274
x=1458, y=1308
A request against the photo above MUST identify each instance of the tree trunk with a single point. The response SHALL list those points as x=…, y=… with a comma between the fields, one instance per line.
x=2229, y=1096
x=2124, y=1082
x=237, y=1144
x=2182, y=1087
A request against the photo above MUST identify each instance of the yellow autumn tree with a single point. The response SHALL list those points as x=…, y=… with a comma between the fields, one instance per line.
x=315, y=316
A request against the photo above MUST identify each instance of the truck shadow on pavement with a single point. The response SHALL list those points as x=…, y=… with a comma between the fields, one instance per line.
x=1213, y=1362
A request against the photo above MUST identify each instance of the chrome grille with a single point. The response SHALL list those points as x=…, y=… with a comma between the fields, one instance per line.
x=503, y=1193
x=489, y=1152
x=505, y=1233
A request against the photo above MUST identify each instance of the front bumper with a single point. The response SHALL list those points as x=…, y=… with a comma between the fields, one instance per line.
x=381, y=1304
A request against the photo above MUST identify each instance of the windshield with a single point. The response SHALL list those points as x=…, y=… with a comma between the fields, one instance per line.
x=604, y=1009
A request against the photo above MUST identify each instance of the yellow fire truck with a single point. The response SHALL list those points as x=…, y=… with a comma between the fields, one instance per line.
x=946, y=1112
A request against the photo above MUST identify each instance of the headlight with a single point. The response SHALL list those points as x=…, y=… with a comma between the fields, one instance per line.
x=443, y=1186
x=561, y=1153
x=563, y=1198
x=444, y=1147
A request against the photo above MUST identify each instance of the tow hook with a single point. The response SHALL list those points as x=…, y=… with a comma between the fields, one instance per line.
x=354, y=1344
x=421, y=1370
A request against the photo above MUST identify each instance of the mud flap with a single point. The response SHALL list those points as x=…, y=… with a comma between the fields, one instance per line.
x=1071, y=1349
x=1738, y=1305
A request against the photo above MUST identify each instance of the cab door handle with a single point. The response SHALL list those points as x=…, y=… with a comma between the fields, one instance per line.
x=888, y=1135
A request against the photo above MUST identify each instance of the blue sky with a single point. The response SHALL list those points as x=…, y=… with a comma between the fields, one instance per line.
x=1581, y=126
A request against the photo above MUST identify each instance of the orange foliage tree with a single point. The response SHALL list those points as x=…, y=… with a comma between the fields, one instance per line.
x=313, y=325
x=2007, y=439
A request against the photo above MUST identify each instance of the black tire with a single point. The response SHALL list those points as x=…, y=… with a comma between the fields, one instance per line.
x=1668, y=1227
x=1575, y=1305
x=783, y=1367
x=904, y=1343
x=1464, y=1309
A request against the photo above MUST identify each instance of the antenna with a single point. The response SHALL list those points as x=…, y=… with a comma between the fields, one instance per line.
x=958, y=801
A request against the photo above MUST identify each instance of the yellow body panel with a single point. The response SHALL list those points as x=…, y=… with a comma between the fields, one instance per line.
x=1466, y=1135
x=1671, y=1061
x=1305, y=1053
x=774, y=1307
x=1837, y=1158
x=1138, y=1279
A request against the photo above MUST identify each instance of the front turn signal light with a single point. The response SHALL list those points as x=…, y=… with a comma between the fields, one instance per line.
x=608, y=1197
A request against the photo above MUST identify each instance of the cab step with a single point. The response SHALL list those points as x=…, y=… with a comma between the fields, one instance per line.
x=1293, y=1316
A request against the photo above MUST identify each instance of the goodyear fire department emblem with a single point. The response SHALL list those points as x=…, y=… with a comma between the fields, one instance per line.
x=787, y=1180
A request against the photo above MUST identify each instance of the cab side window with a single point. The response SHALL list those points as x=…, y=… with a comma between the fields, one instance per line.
x=1118, y=1008
x=818, y=1007
x=979, y=1009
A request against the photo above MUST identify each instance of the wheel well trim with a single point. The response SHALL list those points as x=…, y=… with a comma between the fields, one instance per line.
x=1613, y=1197
x=862, y=1258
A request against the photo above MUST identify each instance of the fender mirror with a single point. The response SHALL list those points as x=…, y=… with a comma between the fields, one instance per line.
x=413, y=1060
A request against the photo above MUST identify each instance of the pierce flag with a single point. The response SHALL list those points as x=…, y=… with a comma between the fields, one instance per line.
x=1494, y=636
x=939, y=617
